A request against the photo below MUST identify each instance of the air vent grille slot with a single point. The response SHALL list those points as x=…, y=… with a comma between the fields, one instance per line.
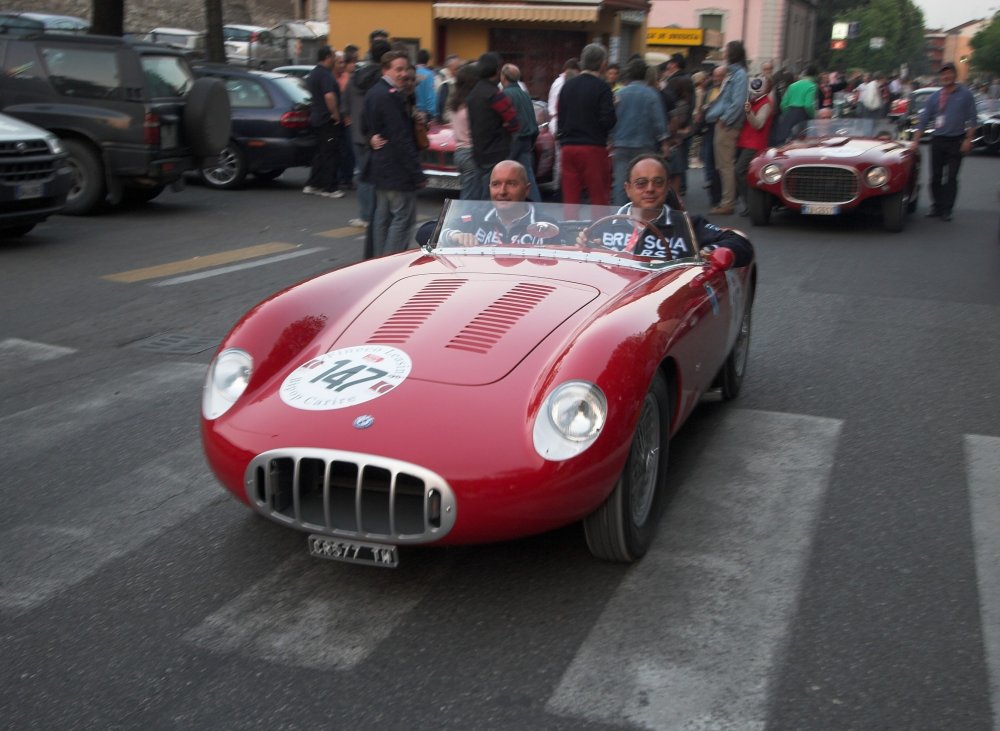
x=487, y=328
x=416, y=311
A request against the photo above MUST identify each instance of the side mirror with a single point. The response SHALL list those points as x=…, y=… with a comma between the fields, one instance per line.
x=721, y=259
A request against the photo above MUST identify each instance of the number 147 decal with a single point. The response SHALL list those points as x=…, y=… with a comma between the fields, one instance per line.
x=338, y=376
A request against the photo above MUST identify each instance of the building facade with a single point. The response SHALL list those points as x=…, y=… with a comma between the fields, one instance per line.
x=779, y=31
x=537, y=36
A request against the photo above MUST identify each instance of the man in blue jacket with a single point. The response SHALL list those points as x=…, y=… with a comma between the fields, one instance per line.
x=394, y=164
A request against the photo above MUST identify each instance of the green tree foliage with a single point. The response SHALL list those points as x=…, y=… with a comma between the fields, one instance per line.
x=986, y=47
x=899, y=22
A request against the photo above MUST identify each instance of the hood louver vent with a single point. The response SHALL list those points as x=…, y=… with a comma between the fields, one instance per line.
x=486, y=328
x=415, y=311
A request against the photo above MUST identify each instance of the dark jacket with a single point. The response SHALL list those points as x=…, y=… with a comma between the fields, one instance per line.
x=586, y=111
x=623, y=236
x=397, y=165
x=492, y=119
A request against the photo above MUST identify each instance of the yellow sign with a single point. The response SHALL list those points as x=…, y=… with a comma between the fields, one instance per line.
x=675, y=36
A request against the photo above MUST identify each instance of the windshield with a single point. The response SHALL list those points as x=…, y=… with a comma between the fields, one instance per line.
x=846, y=127
x=167, y=76
x=602, y=234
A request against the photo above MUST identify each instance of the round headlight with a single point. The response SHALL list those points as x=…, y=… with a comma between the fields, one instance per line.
x=570, y=420
x=771, y=174
x=228, y=377
x=876, y=177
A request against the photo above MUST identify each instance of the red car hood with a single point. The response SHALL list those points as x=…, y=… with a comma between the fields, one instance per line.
x=833, y=148
x=446, y=324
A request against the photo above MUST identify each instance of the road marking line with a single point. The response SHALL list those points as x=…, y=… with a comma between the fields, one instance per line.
x=199, y=262
x=82, y=406
x=982, y=466
x=317, y=614
x=718, y=588
x=16, y=350
x=87, y=528
x=342, y=232
x=237, y=267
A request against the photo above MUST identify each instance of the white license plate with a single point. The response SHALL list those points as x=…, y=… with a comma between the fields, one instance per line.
x=335, y=549
x=30, y=190
x=168, y=137
x=820, y=210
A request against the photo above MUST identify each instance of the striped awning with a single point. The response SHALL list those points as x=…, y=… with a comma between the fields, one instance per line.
x=532, y=12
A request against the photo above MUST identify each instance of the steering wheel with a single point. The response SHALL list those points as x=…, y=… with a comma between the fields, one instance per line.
x=630, y=248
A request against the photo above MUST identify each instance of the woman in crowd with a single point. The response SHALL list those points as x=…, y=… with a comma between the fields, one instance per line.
x=466, y=77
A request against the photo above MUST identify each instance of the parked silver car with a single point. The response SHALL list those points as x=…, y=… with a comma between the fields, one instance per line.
x=253, y=46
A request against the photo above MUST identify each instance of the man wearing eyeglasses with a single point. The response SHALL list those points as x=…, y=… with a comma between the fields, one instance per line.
x=658, y=209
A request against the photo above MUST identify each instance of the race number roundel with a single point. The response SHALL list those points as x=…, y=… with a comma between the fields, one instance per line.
x=345, y=377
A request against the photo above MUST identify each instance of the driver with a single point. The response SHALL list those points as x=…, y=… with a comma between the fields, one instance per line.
x=647, y=189
x=512, y=219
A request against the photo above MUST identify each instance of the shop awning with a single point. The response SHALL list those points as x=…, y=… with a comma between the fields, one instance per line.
x=531, y=13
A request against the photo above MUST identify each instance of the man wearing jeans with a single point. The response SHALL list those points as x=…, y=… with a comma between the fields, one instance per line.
x=953, y=110
x=727, y=114
x=394, y=163
x=641, y=127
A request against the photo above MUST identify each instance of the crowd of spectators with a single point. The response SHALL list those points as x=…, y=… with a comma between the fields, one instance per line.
x=602, y=116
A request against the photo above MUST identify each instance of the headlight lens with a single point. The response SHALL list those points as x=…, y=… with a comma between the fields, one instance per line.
x=771, y=174
x=228, y=377
x=55, y=144
x=876, y=177
x=570, y=420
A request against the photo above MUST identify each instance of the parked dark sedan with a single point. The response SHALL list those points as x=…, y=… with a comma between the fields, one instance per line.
x=988, y=124
x=270, y=126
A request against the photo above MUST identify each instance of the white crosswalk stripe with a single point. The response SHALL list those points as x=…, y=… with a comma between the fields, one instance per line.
x=716, y=591
x=88, y=528
x=14, y=352
x=41, y=426
x=313, y=614
x=982, y=455
x=83, y=527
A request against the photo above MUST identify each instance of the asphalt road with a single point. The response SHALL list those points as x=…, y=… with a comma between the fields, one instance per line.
x=828, y=560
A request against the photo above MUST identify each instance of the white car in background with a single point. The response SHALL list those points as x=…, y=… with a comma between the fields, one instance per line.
x=253, y=46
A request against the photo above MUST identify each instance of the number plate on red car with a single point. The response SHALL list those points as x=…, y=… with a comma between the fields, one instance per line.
x=336, y=549
x=820, y=210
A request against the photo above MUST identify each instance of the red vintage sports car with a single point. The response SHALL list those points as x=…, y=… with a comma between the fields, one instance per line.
x=457, y=395
x=834, y=166
x=438, y=160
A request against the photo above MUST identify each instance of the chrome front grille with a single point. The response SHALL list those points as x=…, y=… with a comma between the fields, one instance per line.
x=820, y=184
x=351, y=495
x=21, y=172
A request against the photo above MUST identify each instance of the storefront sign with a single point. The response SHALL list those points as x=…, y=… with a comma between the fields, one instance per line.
x=675, y=36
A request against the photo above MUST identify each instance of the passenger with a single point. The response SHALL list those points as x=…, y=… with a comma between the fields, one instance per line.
x=647, y=188
x=511, y=220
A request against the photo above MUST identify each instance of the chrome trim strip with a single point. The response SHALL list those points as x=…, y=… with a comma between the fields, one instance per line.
x=295, y=518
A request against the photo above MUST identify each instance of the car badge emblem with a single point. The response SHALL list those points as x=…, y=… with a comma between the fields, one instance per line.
x=21, y=147
x=363, y=422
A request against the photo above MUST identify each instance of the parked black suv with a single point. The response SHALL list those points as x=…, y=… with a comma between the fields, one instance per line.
x=131, y=116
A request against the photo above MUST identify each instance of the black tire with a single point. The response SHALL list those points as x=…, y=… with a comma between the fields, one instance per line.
x=760, y=207
x=893, y=212
x=139, y=196
x=735, y=367
x=622, y=528
x=268, y=175
x=227, y=170
x=207, y=117
x=89, y=188
x=12, y=232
